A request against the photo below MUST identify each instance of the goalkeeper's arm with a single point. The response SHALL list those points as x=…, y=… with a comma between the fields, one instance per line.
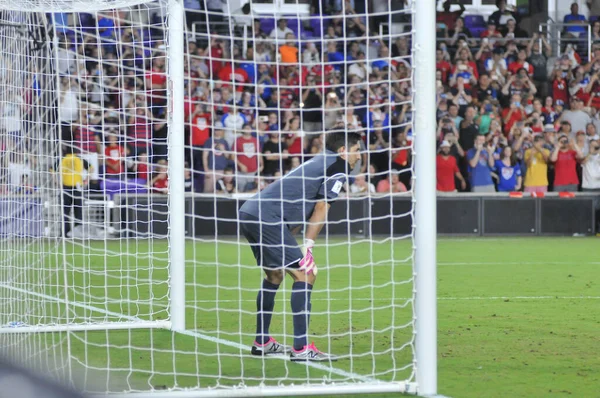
x=315, y=224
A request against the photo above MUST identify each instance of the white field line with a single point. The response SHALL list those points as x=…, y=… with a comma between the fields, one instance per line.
x=216, y=340
x=483, y=298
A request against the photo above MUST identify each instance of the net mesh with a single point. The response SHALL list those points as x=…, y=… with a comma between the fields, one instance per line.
x=258, y=103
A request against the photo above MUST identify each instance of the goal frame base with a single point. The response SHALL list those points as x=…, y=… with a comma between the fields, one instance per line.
x=291, y=390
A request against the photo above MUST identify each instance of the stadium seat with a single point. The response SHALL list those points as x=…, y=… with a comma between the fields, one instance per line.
x=594, y=18
x=267, y=25
x=474, y=21
x=476, y=32
x=295, y=26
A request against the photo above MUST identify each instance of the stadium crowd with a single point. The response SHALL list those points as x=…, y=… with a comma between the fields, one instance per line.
x=511, y=114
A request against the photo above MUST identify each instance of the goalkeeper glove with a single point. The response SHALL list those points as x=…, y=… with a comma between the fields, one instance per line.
x=307, y=263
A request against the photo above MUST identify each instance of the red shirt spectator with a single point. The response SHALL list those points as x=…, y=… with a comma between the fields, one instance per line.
x=216, y=55
x=442, y=65
x=229, y=74
x=86, y=139
x=446, y=170
x=560, y=90
x=200, y=127
x=114, y=154
x=521, y=62
x=246, y=149
x=566, y=168
x=143, y=170
x=513, y=114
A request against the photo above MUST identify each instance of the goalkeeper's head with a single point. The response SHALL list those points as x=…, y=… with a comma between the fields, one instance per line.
x=345, y=144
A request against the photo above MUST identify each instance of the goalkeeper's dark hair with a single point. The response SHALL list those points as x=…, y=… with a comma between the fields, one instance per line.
x=335, y=140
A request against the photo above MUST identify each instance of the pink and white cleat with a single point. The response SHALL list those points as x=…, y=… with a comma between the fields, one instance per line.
x=312, y=354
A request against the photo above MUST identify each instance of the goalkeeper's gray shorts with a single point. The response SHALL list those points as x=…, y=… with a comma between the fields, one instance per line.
x=273, y=245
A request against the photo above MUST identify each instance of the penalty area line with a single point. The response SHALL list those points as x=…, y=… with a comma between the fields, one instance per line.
x=233, y=344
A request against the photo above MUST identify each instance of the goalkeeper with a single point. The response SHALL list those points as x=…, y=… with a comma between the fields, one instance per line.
x=269, y=219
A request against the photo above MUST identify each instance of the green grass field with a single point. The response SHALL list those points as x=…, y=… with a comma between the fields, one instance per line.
x=518, y=317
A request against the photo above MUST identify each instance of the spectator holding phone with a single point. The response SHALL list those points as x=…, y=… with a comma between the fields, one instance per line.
x=536, y=160
x=565, y=158
x=508, y=171
x=481, y=161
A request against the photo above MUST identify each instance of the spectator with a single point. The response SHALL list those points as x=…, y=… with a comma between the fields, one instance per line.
x=447, y=17
x=496, y=66
x=281, y=31
x=515, y=113
x=275, y=154
x=536, y=161
x=577, y=20
x=565, y=158
x=232, y=74
x=508, y=171
x=502, y=15
x=521, y=63
x=481, y=161
x=392, y=184
x=140, y=131
x=160, y=182
x=537, y=56
x=512, y=30
x=468, y=129
x=142, y=168
x=361, y=186
x=215, y=159
x=114, y=158
x=295, y=138
x=591, y=168
x=447, y=170
x=226, y=183
x=491, y=34
x=248, y=162
x=232, y=122
x=576, y=116
x=289, y=51
x=460, y=32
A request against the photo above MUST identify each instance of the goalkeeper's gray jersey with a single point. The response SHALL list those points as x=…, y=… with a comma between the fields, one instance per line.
x=292, y=198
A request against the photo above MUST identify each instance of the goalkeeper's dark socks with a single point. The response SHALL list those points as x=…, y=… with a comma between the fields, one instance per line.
x=301, y=309
x=265, y=302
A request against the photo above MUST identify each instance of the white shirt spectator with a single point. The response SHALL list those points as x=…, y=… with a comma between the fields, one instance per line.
x=591, y=172
x=578, y=119
x=360, y=69
x=361, y=186
x=280, y=34
x=232, y=123
x=489, y=66
x=69, y=106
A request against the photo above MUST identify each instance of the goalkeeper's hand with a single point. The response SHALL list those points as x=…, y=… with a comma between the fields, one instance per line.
x=307, y=264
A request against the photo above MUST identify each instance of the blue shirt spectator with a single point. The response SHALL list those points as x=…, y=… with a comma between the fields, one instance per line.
x=481, y=162
x=508, y=176
x=217, y=149
x=575, y=17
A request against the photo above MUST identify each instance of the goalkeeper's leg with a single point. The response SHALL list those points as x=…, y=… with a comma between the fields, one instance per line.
x=264, y=344
x=301, y=306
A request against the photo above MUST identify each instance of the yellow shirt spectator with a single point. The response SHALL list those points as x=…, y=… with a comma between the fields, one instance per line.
x=537, y=167
x=71, y=170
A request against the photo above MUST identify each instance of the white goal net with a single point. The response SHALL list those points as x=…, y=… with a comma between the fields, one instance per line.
x=133, y=131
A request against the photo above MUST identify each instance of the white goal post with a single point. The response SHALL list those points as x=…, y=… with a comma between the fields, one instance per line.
x=151, y=305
